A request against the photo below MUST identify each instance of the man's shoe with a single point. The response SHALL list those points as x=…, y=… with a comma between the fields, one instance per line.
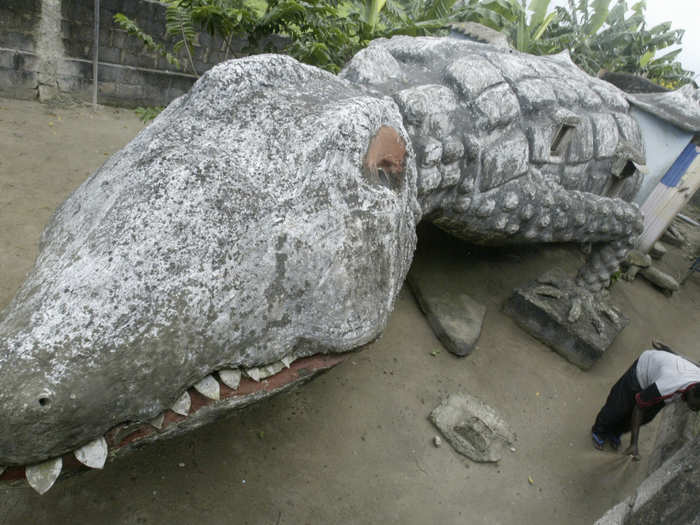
x=615, y=442
x=598, y=442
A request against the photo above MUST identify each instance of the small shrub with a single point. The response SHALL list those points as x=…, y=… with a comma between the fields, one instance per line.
x=146, y=114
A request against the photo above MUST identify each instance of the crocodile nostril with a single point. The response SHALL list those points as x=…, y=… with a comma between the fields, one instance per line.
x=44, y=402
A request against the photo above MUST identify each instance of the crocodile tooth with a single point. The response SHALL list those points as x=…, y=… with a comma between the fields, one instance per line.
x=253, y=373
x=182, y=405
x=208, y=387
x=231, y=378
x=157, y=421
x=271, y=369
x=287, y=361
x=94, y=454
x=42, y=476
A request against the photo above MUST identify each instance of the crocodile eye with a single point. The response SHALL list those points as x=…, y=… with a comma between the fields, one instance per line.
x=384, y=161
x=561, y=140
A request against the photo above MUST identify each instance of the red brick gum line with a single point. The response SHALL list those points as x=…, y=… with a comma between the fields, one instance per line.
x=116, y=439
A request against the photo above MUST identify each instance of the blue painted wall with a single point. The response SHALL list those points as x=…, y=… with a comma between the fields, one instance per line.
x=663, y=143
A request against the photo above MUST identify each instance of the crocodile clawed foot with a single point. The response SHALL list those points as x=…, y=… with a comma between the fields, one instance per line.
x=580, y=303
x=594, y=306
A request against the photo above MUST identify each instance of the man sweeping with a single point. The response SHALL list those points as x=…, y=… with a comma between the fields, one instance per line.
x=657, y=378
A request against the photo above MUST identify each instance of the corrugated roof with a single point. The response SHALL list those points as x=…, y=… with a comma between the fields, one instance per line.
x=681, y=107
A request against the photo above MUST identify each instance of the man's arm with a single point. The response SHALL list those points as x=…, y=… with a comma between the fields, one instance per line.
x=648, y=397
x=633, y=449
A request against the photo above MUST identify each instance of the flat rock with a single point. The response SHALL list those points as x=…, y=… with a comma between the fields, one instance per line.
x=455, y=317
x=435, y=278
x=545, y=316
x=473, y=428
x=637, y=258
x=631, y=273
x=658, y=250
x=673, y=237
x=660, y=279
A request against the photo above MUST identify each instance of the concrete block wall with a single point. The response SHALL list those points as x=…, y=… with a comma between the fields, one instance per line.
x=47, y=46
x=18, y=42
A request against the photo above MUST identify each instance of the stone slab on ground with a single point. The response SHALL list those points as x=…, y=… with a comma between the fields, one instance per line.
x=637, y=258
x=472, y=427
x=660, y=279
x=631, y=273
x=543, y=311
x=673, y=237
x=455, y=317
x=658, y=250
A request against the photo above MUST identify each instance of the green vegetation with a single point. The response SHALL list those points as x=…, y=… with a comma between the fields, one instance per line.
x=598, y=36
x=327, y=33
x=618, y=39
x=146, y=114
x=324, y=33
x=511, y=18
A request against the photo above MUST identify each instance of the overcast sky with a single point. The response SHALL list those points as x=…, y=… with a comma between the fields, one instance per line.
x=683, y=14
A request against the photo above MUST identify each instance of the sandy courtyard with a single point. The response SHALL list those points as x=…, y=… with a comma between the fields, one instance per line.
x=354, y=446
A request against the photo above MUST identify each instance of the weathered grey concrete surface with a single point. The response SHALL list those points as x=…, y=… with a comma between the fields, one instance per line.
x=636, y=258
x=473, y=428
x=479, y=33
x=270, y=215
x=616, y=515
x=455, y=317
x=672, y=236
x=572, y=331
x=670, y=494
x=678, y=426
x=513, y=148
x=660, y=279
x=355, y=445
x=184, y=254
x=658, y=250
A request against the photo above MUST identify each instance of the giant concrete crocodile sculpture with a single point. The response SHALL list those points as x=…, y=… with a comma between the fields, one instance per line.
x=264, y=223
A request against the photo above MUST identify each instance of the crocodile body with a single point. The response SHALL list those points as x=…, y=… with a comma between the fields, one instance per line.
x=268, y=217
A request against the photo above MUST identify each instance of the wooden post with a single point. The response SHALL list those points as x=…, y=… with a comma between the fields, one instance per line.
x=95, y=55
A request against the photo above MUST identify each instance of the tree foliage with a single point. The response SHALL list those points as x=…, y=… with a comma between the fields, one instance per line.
x=600, y=34
x=524, y=25
x=617, y=38
x=323, y=33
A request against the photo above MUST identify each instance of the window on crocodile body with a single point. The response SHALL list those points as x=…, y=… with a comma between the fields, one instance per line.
x=561, y=140
x=616, y=182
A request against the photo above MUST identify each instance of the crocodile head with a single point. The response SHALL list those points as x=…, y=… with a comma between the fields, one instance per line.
x=266, y=216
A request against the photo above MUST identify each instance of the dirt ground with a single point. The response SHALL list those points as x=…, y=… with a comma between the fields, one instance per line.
x=354, y=446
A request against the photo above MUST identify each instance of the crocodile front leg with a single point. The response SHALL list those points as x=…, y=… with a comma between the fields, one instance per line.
x=525, y=211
